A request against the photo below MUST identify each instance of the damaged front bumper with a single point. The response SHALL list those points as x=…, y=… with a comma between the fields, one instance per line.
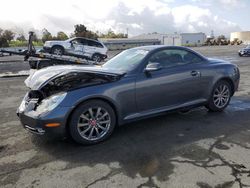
x=39, y=123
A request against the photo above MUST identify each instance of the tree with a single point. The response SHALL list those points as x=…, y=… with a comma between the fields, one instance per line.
x=21, y=37
x=121, y=35
x=81, y=31
x=8, y=35
x=111, y=34
x=46, y=35
x=3, y=40
x=61, y=36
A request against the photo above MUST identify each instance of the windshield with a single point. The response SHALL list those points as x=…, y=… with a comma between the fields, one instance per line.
x=248, y=47
x=126, y=60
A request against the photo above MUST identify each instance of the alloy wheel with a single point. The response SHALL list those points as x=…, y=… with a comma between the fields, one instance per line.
x=94, y=123
x=221, y=96
x=58, y=51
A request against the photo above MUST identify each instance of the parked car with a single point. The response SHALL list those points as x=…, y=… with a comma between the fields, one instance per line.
x=92, y=49
x=88, y=102
x=245, y=51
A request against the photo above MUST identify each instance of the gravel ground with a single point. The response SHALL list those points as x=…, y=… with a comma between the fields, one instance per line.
x=197, y=149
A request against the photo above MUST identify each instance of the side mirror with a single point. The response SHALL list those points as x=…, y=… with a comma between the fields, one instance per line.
x=153, y=67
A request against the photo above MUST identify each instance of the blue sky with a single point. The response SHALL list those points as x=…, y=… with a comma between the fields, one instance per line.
x=162, y=16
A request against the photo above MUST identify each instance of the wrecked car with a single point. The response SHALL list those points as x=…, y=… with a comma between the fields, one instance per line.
x=87, y=103
x=78, y=46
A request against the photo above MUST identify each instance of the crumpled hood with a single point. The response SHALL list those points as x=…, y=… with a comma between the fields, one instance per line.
x=39, y=78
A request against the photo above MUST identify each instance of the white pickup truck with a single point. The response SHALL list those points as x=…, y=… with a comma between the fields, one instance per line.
x=93, y=49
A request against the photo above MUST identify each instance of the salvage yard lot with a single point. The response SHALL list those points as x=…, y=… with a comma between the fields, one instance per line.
x=198, y=149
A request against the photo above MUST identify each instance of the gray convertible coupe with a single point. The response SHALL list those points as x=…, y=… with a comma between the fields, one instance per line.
x=88, y=102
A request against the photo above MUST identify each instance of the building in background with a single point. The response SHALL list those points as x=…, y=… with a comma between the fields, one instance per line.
x=193, y=39
x=165, y=39
x=183, y=39
x=242, y=36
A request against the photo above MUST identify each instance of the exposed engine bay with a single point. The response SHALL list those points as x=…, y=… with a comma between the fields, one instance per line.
x=70, y=81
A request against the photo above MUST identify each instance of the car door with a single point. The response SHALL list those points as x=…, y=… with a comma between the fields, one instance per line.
x=77, y=46
x=177, y=82
x=92, y=47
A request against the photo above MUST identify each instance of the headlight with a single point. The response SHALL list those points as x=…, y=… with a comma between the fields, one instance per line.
x=23, y=104
x=50, y=103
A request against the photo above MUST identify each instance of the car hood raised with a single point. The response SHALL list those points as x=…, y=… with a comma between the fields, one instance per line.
x=38, y=79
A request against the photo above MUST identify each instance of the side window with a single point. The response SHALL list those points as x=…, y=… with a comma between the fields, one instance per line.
x=76, y=41
x=84, y=42
x=99, y=45
x=190, y=57
x=174, y=57
x=95, y=44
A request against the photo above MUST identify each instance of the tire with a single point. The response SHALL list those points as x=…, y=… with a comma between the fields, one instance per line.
x=84, y=129
x=220, y=97
x=97, y=58
x=240, y=55
x=57, y=50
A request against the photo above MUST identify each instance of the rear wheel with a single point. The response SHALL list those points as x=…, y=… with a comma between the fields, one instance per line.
x=97, y=58
x=220, y=96
x=57, y=50
x=92, y=122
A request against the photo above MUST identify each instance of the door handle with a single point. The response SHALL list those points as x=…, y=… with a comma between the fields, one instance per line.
x=195, y=73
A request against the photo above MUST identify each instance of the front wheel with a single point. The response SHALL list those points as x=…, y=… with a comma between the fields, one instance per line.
x=92, y=122
x=220, y=97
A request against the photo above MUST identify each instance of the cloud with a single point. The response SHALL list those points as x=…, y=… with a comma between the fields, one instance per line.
x=163, y=16
x=231, y=2
x=224, y=4
x=185, y=18
x=147, y=20
x=189, y=18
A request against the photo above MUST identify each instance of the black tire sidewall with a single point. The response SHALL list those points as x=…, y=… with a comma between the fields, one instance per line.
x=211, y=106
x=75, y=117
